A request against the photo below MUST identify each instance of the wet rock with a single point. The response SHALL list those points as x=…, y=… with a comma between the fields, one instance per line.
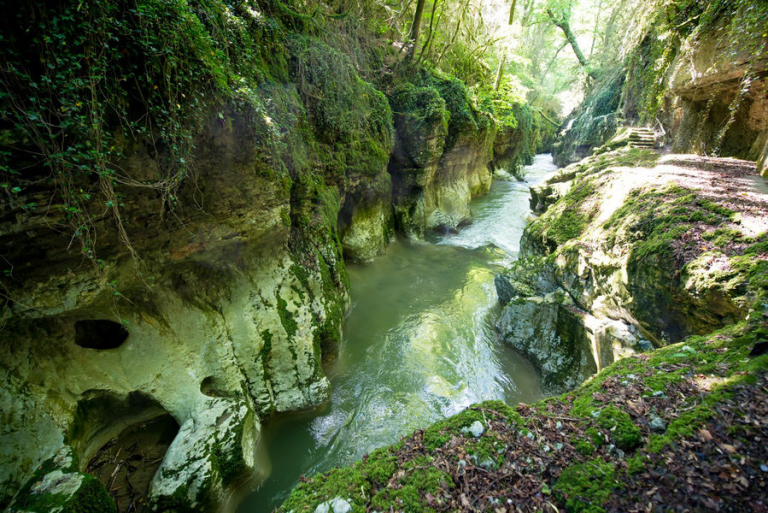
x=550, y=332
x=476, y=429
x=214, y=449
x=335, y=505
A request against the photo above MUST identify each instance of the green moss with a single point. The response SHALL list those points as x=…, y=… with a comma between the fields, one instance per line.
x=486, y=452
x=440, y=433
x=422, y=105
x=352, y=118
x=584, y=448
x=91, y=497
x=286, y=317
x=566, y=219
x=626, y=435
x=723, y=236
x=418, y=479
x=463, y=119
x=595, y=436
x=586, y=486
x=358, y=483
x=227, y=455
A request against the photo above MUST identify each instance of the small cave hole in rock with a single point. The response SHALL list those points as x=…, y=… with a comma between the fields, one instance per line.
x=123, y=439
x=213, y=387
x=99, y=334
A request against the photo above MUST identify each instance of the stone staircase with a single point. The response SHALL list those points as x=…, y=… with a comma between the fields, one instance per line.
x=641, y=137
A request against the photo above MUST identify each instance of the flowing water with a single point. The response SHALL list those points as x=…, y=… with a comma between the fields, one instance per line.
x=419, y=345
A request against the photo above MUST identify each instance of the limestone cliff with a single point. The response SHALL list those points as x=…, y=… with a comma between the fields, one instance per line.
x=229, y=310
x=633, y=252
x=697, y=76
x=181, y=261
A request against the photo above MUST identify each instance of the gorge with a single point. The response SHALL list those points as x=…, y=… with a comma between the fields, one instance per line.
x=246, y=242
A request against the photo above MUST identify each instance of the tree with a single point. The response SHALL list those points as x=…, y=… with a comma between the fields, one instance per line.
x=415, y=27
x=500, y=71
x=561, y=21
x=432, y=29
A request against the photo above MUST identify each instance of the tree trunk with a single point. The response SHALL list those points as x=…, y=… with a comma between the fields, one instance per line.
x=455, y=33
x=512, y=12
x=414, y=36
x=594, y=32
x=500, y=71
x=431, y=30
x=563, y=25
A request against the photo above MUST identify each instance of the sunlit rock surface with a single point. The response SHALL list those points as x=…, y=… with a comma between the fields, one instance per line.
x=631, y=253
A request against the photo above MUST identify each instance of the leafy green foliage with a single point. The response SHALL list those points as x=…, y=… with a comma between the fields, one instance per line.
x=84, y=82
x=349, y=114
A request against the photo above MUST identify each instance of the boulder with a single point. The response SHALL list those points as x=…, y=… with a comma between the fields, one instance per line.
x=58, y=487
x=213, y=450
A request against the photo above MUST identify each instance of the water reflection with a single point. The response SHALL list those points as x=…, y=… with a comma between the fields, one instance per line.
x=419, y=345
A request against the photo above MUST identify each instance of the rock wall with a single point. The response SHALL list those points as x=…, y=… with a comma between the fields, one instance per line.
x=437, y=196
x=716, y=100
x=228, y=315
x=221, y=300
x=629, y=254
x=698, y=79
x=436, y=170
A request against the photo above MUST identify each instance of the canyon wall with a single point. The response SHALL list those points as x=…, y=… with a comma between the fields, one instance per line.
x=699, y=80
x=633, y=251
x=197, y=279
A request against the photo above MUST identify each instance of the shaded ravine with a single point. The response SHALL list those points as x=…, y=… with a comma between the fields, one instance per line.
x=419, y=345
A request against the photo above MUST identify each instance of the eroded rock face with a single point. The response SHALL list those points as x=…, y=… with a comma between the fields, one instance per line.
x=228, y=300
x=366, y=220
x=431, y=189
x=628, y=258
x=709, y=80
x=542, y=321
x=214, y=449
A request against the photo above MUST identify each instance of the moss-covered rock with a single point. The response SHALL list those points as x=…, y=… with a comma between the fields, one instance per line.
x=441, y=155
x=57, y=486
x=595, y=449
x=644, y=260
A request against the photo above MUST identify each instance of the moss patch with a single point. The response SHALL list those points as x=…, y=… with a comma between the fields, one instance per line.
x=586, y=486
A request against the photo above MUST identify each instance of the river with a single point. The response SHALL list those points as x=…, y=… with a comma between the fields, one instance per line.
x=419, y=345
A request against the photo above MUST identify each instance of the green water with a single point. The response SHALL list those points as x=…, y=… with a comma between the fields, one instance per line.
x=419, y=345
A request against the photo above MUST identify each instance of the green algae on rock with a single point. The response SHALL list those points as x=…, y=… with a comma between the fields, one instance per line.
x=641, y=256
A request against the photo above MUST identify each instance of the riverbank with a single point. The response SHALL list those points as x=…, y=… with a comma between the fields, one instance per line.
x=657, y=426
